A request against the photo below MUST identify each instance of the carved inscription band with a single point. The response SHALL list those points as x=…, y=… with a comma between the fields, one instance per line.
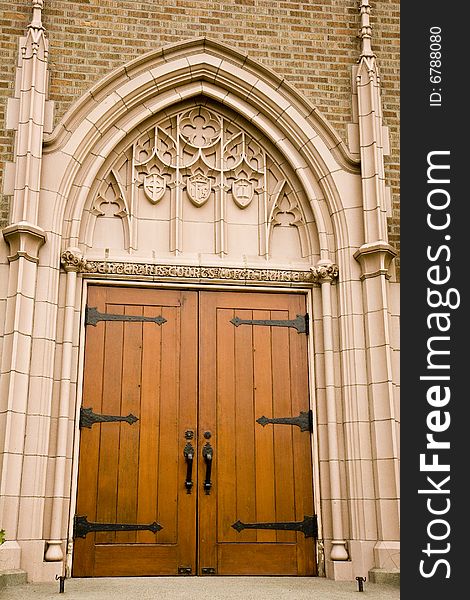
x=155, y=271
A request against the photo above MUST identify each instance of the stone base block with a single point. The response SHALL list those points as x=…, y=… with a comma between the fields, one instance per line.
x=387, y=555
x=32, y=559
x=10, y=556
x=362, y=557
x=339, y=570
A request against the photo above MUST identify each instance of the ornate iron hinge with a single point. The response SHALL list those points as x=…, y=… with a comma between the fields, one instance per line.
x=81, y=527
x=308, y=526
x=93, y=316
x=300, y=322
x=88, y=418
x=304, y=421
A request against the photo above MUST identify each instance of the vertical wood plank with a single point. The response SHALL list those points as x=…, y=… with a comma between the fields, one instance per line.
x=109, y=432
x=129, y=434
x=284, y=471
x=226, y=426
x=149, y=425
x=188, y=421
x=243, y=441
x=168, y=440
x=89, y=438
x=264, y=436
x=302, y=456
x=210, y=417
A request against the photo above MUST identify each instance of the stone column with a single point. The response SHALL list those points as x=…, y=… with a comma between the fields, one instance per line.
x=326, y=273
x=72, y=262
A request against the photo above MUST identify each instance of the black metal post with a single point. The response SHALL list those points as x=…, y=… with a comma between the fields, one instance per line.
x=61, y=579
x=360, y=583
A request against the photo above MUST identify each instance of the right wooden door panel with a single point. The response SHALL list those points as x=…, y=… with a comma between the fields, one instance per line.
x=262, y=474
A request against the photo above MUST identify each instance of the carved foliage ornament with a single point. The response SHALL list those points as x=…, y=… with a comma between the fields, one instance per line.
x=72, y=260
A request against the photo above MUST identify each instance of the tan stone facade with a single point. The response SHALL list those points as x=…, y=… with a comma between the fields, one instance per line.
x=258, y=150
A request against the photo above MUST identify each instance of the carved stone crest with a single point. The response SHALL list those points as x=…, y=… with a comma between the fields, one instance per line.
x=242, y=190
x=199, y=188
x=154, y=187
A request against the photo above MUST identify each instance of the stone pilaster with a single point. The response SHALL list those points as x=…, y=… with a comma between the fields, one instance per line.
x=375, y=260
x=24, y=240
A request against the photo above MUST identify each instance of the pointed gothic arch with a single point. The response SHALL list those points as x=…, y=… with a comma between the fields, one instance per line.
x=119, y=106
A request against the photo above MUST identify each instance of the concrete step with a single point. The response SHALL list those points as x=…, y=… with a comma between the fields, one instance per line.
x=13, y=577
x=386, y=576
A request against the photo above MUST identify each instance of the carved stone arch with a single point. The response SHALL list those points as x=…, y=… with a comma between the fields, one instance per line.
x=235, y=165
x=287, y=211
x=110, y=203
x=123, y=101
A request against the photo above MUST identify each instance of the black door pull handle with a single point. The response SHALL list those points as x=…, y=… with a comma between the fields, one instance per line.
x=208, y=453
x=189, y=456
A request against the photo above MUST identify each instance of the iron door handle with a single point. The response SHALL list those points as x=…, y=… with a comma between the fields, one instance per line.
x=208, y=453
x=189, y=456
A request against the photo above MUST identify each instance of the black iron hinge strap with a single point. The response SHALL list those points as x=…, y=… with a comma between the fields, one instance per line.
x=89, y=418
x=81, y=527
x=308, y=526
x=300, y=322
x=93, y=316
x=304, y=421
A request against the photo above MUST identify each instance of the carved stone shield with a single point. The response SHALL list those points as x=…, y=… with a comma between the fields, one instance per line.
x=199, y=188
x=154, y=187
x=242, y=190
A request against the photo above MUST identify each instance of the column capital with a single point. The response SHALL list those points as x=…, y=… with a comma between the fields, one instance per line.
x=326, y=271
x=72, y=260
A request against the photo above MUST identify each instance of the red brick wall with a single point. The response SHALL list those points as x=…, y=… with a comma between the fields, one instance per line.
x=313, y=44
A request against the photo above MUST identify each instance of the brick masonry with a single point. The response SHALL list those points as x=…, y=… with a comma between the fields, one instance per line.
x=313, y=44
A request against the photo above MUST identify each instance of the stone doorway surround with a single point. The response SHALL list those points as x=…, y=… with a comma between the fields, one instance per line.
x=344, y=259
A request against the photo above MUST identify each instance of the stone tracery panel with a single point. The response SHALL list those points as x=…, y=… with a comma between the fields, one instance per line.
x=198, y=182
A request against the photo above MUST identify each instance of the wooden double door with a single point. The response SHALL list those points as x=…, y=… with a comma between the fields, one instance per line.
x=195, y=444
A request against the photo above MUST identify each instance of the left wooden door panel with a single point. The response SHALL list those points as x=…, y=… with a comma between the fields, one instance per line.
x=135, y=473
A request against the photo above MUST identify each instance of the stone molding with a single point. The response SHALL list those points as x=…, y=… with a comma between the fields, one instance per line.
x=375, y=259
x=129, y=85
x=71, y=260
x=24, y=240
